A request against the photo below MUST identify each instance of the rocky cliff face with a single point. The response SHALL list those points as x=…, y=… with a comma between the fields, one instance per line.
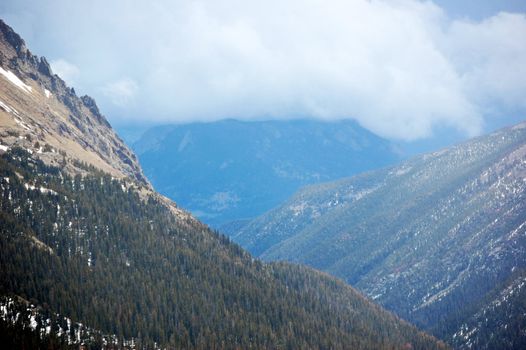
x=40, y=113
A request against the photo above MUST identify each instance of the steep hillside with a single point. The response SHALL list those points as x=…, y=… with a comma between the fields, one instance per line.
x=90, y=248
x=436, y=239
x=40, y=113
x=100, y=257
x=231, y=170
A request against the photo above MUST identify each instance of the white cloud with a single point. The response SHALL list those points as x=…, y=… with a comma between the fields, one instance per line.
x=121, y=92
x=490, y=57
x=66, y=70
x=401, y=68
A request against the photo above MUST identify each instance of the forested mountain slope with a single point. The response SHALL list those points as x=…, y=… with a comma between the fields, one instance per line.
x=83, y=238
x=230, y=170
x=90, y=248
x=438, y=239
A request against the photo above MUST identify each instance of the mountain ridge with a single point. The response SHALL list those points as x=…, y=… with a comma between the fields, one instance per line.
x=429, y=239
x=49, y=112
x=232, y=170
x=141, y=273
x=84, y=236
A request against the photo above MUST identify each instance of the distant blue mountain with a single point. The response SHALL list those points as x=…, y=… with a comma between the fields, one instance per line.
x=230, y=170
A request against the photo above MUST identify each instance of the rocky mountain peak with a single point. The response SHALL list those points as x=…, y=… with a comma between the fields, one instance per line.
x=44, y=67
x=37, y=107
x=11, y=37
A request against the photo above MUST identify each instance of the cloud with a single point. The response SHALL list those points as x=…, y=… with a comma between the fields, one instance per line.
x=401, y=68
x=66, y=70
x=491, y=58
x=121, y=92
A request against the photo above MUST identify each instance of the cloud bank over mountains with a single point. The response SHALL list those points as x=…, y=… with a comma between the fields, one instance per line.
x=400, y=68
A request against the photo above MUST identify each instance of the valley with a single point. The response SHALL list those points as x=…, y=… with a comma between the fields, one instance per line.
x=92, y=257
x=233, y=170
x=435, y=239
x=262, y=175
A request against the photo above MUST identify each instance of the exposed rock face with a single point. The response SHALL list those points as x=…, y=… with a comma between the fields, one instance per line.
x=44, y=67
x=38, y=108
x=12, y=38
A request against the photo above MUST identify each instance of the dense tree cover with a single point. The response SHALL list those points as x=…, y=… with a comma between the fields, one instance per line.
x=16, y=336
x=433, y=239
x=21, y=327
x=27, y=326
x=498, y=321
x=96, y=251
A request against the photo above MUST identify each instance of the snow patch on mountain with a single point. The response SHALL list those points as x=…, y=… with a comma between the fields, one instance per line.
x=15, y=80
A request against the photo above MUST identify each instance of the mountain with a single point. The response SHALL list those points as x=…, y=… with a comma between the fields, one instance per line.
x=231, y=170
x=91, y=257
x=439, y=239
x=48, y=112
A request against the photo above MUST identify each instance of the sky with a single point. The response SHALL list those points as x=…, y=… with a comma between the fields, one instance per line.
x=404, y=69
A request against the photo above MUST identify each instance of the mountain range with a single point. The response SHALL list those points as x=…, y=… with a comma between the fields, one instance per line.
x=439, y=239
x=92, y=257
x=231, y=170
